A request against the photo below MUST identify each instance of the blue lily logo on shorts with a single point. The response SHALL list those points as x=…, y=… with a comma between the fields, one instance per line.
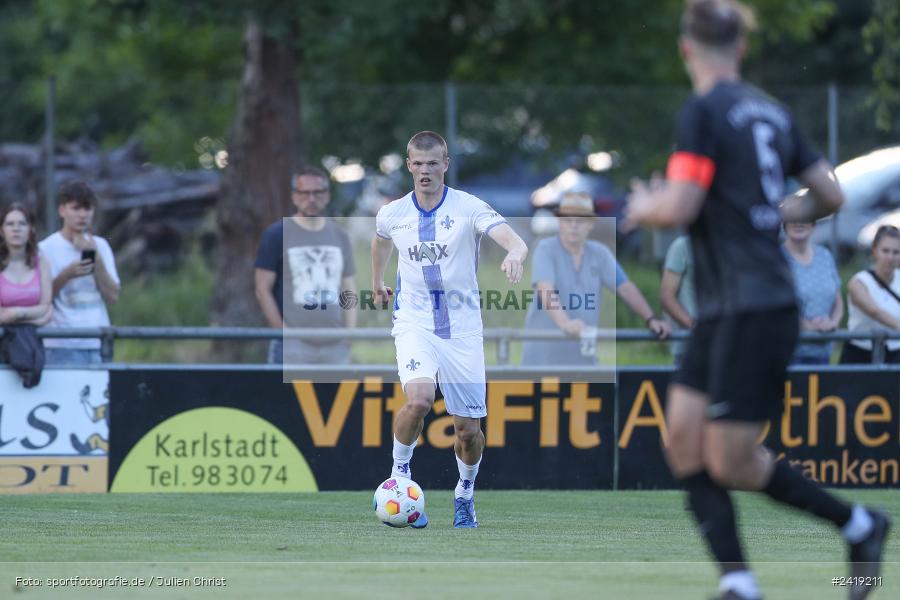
x=413, y=364
x=447, y=223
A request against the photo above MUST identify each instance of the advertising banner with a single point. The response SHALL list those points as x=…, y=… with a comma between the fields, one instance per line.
x=207, y=430
x=232, y=431
x=642, y=431
x=54, y=437
x=841, y=427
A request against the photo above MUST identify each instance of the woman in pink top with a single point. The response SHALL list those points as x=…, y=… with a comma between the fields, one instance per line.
x=26, y=287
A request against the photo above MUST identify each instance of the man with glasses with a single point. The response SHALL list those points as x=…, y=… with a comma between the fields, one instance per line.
x=304, y=266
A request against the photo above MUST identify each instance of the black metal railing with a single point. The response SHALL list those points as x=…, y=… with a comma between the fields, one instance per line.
x=503, y=337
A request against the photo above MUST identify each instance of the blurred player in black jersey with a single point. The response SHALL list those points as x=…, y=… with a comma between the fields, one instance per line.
x=725, y=182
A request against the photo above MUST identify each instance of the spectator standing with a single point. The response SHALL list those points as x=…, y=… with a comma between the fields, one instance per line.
x=676, y=289
x=304, y=266
x=569, y=273
x=84, y=274
x=818, y=288
x=26, y=286
x=874, y=298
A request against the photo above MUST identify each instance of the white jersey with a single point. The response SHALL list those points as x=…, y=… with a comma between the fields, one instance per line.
x=78, y=303
x=437, y=287
x=860, y=321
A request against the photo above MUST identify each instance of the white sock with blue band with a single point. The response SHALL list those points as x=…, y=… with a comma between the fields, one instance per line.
x=465, y=487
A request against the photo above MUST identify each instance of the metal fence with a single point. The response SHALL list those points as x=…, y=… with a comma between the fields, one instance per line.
x=501, y=337
x=499, y=132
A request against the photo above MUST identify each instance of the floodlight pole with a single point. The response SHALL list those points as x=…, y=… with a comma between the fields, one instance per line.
x=833, y=154
x=450, y=129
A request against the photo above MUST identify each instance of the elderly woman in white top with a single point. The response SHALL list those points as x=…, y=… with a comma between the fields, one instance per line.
x=874, y=297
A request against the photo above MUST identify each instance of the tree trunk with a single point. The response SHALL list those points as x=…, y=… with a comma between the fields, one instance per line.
x=265, y=145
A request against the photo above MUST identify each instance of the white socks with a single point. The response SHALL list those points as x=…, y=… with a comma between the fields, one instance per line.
x=402, y=457
x=465, y=487
x=742, y=583
x=859, y=526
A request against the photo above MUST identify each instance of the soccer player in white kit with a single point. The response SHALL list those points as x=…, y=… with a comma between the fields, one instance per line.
x=437, y=315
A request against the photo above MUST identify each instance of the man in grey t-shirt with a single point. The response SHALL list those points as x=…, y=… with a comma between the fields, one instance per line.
x=303, y=266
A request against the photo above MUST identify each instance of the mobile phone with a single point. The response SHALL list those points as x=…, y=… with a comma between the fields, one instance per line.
x=90, y=255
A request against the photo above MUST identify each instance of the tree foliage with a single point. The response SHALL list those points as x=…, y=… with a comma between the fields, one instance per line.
x=168, y=71
x=882, y=37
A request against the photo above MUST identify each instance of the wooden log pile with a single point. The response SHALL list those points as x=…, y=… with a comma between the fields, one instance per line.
x=149, y=213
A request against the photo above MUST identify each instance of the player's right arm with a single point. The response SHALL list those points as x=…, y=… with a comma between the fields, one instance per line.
x=822, y=197
x=381, y=253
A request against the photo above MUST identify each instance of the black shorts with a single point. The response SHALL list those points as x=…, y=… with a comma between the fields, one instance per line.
x=741, y=362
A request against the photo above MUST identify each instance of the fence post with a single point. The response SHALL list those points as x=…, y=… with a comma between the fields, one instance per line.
x=878, y=349
x=503, y=350
x=107, y=344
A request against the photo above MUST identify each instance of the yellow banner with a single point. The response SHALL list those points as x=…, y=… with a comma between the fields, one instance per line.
x=53, y=474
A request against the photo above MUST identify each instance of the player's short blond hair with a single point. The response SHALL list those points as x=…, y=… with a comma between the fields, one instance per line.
x=427, y=140
x=717, y=24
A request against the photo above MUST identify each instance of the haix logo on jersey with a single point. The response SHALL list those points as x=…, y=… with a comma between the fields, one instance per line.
x=429, y=251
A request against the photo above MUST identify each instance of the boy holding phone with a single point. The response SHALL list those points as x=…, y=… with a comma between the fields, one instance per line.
x=84, y=274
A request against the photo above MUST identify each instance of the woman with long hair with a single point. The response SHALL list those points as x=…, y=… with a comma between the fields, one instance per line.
x=26, y=287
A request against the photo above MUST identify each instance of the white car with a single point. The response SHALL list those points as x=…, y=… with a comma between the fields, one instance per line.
x=867, y=234
x=871, y=185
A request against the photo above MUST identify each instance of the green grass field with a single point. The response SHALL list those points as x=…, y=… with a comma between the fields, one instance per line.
x=531, y=544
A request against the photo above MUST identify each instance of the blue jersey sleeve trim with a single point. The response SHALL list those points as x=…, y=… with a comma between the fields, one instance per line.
x=492, y=225
x=621, y=277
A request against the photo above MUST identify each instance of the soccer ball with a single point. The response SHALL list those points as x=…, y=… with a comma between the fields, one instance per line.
x=399, y=502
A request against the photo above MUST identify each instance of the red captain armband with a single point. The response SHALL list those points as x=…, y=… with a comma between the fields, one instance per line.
x=686, y=166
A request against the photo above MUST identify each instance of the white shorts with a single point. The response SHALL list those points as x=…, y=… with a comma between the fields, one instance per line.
x=457, y=365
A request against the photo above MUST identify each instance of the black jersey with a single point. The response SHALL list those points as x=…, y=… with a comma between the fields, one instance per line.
x=740, y=145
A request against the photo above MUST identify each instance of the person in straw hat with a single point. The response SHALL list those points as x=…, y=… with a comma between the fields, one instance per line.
x=569, y=273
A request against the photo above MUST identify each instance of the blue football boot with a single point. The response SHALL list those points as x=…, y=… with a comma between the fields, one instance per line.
x=464, y=513
x=421, y=522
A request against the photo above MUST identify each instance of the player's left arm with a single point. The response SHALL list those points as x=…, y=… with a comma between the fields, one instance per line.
x=822, y=196
x=513, y=265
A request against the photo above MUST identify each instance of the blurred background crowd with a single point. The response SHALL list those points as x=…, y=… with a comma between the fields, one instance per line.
x=186, y=120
